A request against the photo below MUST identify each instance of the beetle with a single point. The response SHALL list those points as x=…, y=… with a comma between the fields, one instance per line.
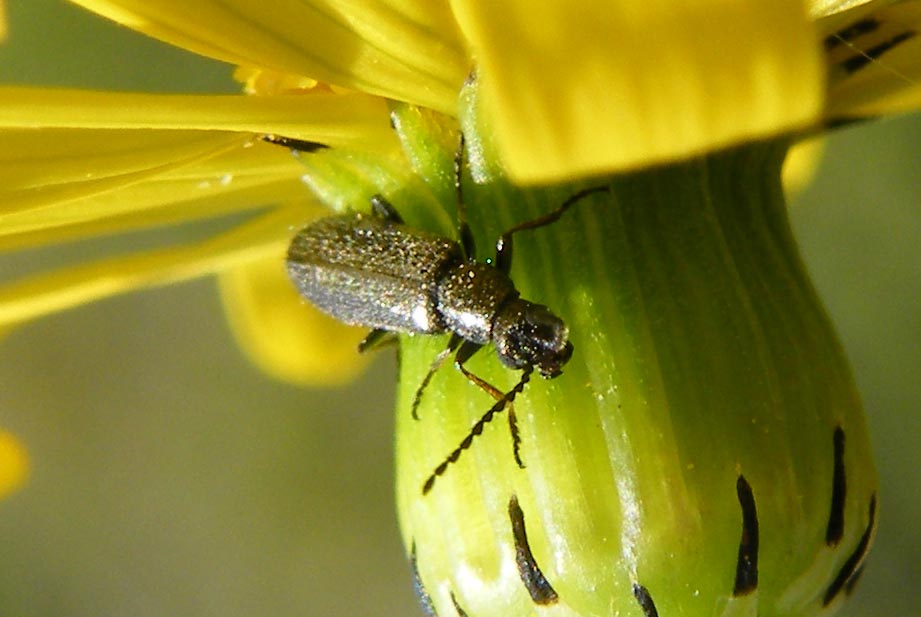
x=373, y=270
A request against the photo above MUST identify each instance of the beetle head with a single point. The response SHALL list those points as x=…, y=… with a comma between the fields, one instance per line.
x=527, y=334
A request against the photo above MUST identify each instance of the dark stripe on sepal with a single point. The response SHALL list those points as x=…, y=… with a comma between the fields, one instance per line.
x=866, y=56
x=835, y=530
x=845, y=122
x=460, y=611
x=852, y=567
x=425, y=600
x=645, y=600
x=534, y=581
x=852, y=32
x=852, y=582
x=747, y=563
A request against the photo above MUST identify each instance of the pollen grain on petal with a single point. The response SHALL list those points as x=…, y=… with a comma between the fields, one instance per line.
x=265, y=82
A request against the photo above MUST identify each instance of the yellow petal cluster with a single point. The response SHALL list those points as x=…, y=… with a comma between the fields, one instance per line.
x=590, y=87
x=570, y=89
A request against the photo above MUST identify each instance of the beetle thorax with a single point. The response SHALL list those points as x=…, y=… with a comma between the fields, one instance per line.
x=469, y=297
x=528, y=334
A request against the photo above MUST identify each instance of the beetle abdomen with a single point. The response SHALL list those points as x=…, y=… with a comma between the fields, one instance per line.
x=367, y=271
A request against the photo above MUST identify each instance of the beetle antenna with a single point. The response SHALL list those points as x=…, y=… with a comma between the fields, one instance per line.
x=464, y=235
x=477, y=428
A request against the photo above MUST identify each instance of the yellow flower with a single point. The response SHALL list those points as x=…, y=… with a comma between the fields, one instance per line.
x=14, y=463
x=564, y=92
x=108, y=163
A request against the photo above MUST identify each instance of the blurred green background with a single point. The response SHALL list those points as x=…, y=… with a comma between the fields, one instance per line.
x=171, y=478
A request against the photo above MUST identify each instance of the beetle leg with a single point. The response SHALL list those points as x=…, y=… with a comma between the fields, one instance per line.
x=377, y=338
x=498, y=395
x=466, y=352
x=383, y=209
x=477, y=429
x=436, y=364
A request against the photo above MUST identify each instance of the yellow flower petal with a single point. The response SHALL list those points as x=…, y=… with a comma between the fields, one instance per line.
x=582, y=88
x=801, y=163
x=874, y=57
x=33, y=182
x=61, y=183
x=152, y=160
x=282, y=334
x=333, y=119
x=14, y=463
x=68, y=287
x=407, y=50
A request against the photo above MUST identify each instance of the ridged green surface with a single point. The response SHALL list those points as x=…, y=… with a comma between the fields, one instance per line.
x=701, y=354
x=703, y=361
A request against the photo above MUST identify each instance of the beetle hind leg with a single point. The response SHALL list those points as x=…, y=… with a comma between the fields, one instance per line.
x=385, y=210
x=376, y=339
x=436, y=364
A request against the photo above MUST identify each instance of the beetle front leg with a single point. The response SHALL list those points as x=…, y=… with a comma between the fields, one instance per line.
x=463, y=354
